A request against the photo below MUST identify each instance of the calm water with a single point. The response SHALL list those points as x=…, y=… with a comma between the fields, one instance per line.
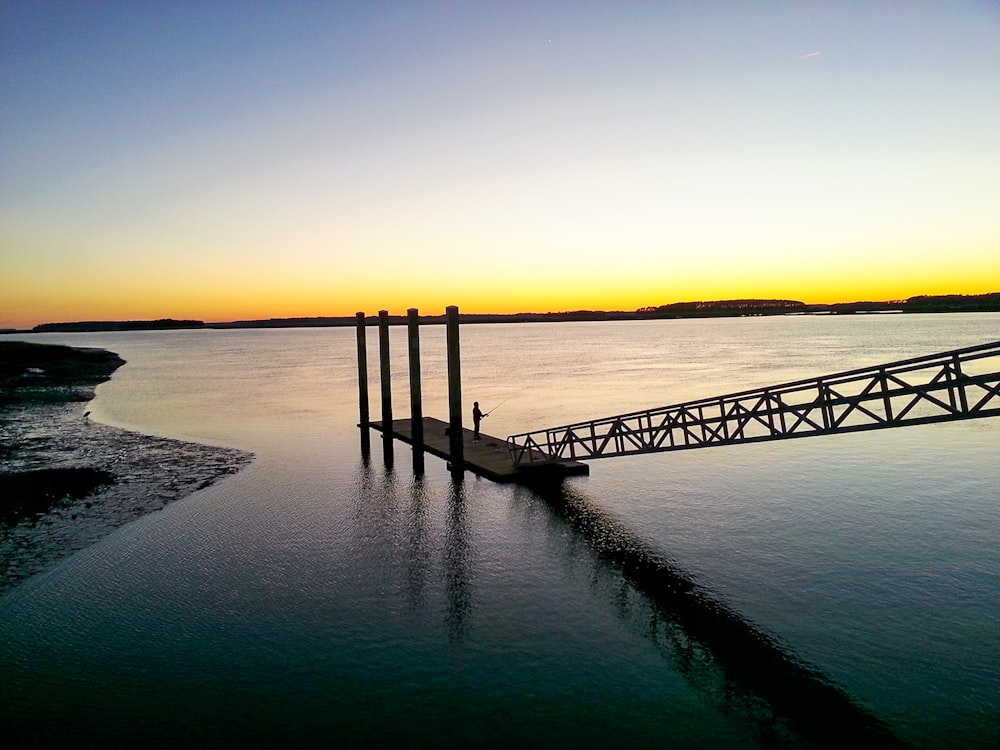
x=316, y=598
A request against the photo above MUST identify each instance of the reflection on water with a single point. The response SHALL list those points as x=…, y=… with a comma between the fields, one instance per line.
x=419, y=548
x=728, y=660
x=395, y=529
x=388, y=450
x=316, y=595
x=458, y=568
x=745, y=673
x=366, y=442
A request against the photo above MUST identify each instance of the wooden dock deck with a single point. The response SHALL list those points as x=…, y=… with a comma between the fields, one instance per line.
x=486, y=457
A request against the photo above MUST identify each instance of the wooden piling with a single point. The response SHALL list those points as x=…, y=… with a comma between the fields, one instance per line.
x=416, y=403
x=456, y=443
x=363, y=416
x=386, y=378
x=384, y=373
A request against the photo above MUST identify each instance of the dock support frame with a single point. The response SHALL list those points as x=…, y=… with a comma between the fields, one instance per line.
x=456, y=441
x=416, y=402
x=385, y=375
x=363, y=416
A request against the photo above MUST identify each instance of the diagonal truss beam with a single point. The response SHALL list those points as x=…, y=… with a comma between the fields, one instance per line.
x=957, y=384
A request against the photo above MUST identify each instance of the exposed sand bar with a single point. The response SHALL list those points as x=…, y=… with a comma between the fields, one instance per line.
x=65, y=481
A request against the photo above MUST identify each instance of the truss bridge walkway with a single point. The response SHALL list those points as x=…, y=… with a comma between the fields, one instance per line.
x=958, y=384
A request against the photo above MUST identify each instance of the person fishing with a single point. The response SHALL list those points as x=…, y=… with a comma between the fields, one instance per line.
x=477, y=417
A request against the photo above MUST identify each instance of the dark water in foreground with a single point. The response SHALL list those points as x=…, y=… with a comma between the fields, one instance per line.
x=779, y=595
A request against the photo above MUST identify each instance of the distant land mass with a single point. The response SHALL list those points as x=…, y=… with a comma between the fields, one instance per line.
x=701, y=309
x=118, y=325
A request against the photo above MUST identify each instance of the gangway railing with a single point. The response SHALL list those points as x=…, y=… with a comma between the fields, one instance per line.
x=957, y=384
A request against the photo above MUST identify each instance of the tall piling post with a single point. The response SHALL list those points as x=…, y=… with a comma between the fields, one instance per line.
x=363, y=416
x=416, y=402
x=385, y=375
x=456, y=439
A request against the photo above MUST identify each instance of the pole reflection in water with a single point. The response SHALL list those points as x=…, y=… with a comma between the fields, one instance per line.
x=418, y=461
x=387, y=450
x=372, y=497
x=405, y=531
x=426, y=553
x=727, y=659
x=457, y=564
x=419, y=545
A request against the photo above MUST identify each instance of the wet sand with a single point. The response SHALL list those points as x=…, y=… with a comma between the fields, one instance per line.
x=66, y=481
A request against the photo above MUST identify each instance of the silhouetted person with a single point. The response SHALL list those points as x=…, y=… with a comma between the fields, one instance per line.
x=477, y=417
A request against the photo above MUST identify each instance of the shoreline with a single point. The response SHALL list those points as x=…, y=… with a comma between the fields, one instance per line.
x=67, y=481
x=728, y=308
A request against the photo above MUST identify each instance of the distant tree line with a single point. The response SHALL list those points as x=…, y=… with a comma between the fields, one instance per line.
x=728, y=307
x=119, y=325
x=735, y=307
x=701, y=309
x=955, y=303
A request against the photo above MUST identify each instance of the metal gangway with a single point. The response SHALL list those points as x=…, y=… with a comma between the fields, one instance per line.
x=957, y=384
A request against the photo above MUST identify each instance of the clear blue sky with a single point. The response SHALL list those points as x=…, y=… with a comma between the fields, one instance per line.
x=254, y=159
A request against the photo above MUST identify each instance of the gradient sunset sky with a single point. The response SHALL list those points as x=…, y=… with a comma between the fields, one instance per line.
x=228, y=160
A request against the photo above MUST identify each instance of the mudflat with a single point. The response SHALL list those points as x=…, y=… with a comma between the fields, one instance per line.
x=67, y=481
x=47, y=373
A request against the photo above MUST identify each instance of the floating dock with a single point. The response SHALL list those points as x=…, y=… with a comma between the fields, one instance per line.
x=487, y=457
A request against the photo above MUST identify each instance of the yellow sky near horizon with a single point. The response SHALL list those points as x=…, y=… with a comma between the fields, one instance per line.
x=241, y=299
x=321, y=160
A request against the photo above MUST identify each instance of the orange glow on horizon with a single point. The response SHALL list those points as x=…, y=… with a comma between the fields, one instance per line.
x=23, y=311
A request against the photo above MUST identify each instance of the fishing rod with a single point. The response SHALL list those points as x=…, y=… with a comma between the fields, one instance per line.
x=497, y=407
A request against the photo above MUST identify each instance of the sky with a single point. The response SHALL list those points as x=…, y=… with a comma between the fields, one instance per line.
x=234, y=160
